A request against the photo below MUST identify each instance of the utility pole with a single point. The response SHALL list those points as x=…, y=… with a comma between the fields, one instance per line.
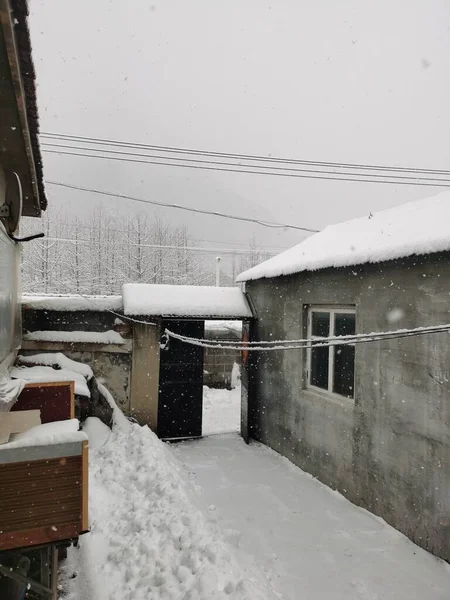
x=217, y=271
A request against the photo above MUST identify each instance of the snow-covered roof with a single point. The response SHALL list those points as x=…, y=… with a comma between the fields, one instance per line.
x=416, y=228
x=72, y=302
x=185, y=301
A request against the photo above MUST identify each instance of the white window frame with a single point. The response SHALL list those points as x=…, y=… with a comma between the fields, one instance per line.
x=331, y=310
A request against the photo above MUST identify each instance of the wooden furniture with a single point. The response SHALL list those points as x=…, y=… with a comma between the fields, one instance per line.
x=43, y=493
x=54, y=399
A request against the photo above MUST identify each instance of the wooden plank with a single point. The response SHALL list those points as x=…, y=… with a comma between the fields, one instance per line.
x=17, y=422
x=85, y=487
x=72, y=399
x=40, y=535
x=32, y=453
x=44, y=496
x=125, y=348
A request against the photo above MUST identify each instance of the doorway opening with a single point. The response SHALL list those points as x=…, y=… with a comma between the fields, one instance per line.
x=221, y=411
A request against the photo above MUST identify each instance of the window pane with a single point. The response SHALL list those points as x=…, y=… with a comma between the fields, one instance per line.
x=320, y=324
x=344, y=370
x=344, y=323
x=319, y=367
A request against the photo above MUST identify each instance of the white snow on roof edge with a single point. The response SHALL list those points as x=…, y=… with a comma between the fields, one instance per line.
x=65, y=302
x=416, y=228
x=184, y=301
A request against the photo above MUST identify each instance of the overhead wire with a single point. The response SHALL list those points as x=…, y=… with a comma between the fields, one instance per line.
x=165, y=247
x=185, y=208
x=239, y=164
x=119, y=143
x=251, y=171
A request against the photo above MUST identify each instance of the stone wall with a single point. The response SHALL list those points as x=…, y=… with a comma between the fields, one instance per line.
x=110, y=363
x=389, y=449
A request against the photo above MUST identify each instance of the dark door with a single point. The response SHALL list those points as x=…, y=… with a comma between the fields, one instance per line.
x=245, y=380
x=180, y=402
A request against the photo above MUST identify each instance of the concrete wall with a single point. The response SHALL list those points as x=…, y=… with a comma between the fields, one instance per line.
x=145, y=374
x=10, y=314
x=389, y=450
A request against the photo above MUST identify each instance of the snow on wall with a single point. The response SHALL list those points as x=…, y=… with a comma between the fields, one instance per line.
x=86, y=337
x=184, y=301
x=72, y=302
x=420, y=227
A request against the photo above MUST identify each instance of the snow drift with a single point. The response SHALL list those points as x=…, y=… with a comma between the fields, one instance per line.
x=149, y=539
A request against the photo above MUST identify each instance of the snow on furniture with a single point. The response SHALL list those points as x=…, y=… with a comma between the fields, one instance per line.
x=47, y=434
x=185, y=301
x=51, y=359
x=415, y=228
x=43, y=374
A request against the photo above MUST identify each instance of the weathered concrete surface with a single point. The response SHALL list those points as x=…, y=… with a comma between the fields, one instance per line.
x=389, y=451
x=144, y=391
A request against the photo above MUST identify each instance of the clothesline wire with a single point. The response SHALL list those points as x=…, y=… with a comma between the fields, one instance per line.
x=309, y=343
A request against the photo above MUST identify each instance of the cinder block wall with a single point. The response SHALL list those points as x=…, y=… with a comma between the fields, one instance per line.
x=389, y=450
x=218, y=363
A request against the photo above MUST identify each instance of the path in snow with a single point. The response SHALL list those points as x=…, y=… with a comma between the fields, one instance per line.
x=311, y=542
x=221, y=410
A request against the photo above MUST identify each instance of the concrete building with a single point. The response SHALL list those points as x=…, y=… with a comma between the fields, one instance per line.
x=370, y=420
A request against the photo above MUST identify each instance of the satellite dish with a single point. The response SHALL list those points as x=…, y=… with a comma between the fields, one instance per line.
x=13, y=203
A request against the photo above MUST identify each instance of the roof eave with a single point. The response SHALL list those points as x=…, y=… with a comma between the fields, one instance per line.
x=32, y=206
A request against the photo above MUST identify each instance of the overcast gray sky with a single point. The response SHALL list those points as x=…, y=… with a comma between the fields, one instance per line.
x=345, y=81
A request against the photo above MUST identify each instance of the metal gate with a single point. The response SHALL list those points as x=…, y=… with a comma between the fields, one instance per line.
x=180, y=403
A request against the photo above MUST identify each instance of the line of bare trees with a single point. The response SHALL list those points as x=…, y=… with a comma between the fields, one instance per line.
x=106, y=250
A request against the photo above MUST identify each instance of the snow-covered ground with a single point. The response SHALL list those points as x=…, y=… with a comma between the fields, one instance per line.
x=150, y=538
x=221, y=410
x=213, y=519
x=311, y=542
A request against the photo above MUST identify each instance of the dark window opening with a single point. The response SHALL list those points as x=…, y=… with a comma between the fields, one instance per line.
x=332, y=368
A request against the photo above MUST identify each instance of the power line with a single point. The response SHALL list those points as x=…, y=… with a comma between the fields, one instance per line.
x=311, y=343
x=250, y=171
x=234, y=164
x=165, y=247
x=78, y=225
x=103, y=141
x=185, y=208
